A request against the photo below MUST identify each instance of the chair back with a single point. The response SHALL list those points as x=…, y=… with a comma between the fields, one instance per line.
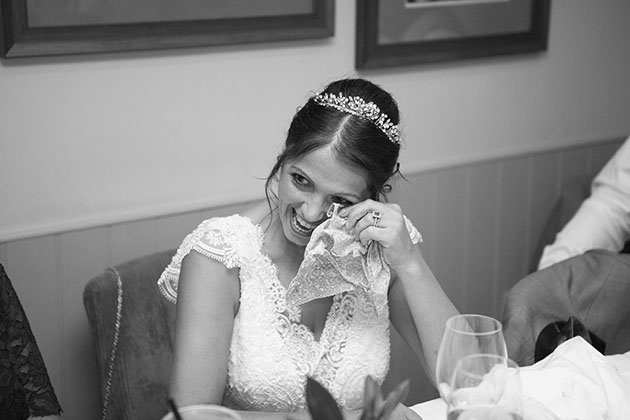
x=133, y=332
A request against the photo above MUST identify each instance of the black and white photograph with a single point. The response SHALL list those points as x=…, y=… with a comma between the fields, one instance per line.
x=314, y=210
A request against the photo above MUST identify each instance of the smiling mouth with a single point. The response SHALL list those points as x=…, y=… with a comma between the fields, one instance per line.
x=300, y=225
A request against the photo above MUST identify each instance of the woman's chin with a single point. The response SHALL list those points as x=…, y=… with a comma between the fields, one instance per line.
x=298, y=239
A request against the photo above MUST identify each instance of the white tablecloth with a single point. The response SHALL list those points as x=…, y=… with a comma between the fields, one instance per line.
x=575, y=382
x=431, y=410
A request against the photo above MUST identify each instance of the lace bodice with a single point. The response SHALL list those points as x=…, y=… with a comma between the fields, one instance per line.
x=272, y=352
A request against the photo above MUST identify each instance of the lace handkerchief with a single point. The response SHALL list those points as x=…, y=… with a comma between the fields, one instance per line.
x=335, y=262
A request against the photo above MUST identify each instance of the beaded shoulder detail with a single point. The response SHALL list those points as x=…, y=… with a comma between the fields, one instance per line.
x=225, y=239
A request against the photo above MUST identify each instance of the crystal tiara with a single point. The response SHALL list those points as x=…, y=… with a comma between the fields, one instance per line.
x=369, y=111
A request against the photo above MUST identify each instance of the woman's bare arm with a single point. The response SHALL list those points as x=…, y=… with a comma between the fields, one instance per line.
x=419, y=309
x=207, y=302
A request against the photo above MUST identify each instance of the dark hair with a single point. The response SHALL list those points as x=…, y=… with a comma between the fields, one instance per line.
x=357, y=141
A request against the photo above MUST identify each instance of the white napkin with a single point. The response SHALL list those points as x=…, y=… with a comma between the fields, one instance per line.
x=577, y=382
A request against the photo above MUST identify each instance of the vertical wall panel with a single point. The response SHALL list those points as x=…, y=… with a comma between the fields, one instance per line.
x=449, y=227
x=479, y=269
x=3, y=253
x=31, y=266
x=82, y=256
x=600, y=154
x=575, y=164
x=131, y=240
x=416, y=196
x=171, y=231
x=513, y=227
x=545, y=175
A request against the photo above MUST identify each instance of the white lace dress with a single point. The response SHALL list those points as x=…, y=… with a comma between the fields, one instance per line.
x=271, y=352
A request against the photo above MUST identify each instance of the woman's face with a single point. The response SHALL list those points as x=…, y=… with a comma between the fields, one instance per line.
x=309, y=185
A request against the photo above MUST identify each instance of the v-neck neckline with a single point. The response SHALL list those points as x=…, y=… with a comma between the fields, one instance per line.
x=292, y=313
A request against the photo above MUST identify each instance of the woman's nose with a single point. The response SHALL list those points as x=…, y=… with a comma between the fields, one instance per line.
x=314, y=210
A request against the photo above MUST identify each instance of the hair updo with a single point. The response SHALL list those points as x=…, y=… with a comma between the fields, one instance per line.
x=355, y=140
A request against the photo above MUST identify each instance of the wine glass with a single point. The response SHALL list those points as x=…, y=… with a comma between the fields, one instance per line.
x=464, y=335
x=485, y=387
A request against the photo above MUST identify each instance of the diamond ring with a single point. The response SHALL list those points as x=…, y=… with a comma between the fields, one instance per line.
x=376, y=215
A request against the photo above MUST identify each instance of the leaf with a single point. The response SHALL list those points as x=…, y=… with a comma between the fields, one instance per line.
x=321, y=405
x=372, y=400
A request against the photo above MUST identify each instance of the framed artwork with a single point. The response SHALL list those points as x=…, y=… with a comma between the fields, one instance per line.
x=404, y=32
x=58, y=27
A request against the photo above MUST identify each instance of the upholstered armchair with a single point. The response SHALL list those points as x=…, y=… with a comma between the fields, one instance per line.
x=133, y=331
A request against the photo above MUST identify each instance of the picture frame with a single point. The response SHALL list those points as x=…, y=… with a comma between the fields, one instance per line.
x=19, y=39
x=407, y=32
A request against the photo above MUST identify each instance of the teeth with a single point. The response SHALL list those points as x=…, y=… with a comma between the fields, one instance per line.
x=301, y=225
x=303, y=222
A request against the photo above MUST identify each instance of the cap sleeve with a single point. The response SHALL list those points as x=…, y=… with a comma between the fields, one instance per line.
x=414, y=234
x=212, y=239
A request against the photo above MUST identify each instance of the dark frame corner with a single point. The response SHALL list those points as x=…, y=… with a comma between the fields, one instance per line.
x=17, y=39
x=369, y=54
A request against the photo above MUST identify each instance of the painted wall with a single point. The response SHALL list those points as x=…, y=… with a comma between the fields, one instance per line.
x=105, y=138
x=96, y=151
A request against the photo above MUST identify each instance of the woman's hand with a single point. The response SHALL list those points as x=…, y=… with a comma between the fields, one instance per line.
x=389, y=230
x=418, y=305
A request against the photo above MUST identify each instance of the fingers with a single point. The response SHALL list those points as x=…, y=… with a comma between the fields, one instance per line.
x=360, y=211
x=371, y=213
x=363, y=221
x=371, y=220
x=368, y=213
x=371, y=223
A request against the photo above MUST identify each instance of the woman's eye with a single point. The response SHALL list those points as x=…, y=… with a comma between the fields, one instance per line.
x=342, y=201
x=300, y=180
